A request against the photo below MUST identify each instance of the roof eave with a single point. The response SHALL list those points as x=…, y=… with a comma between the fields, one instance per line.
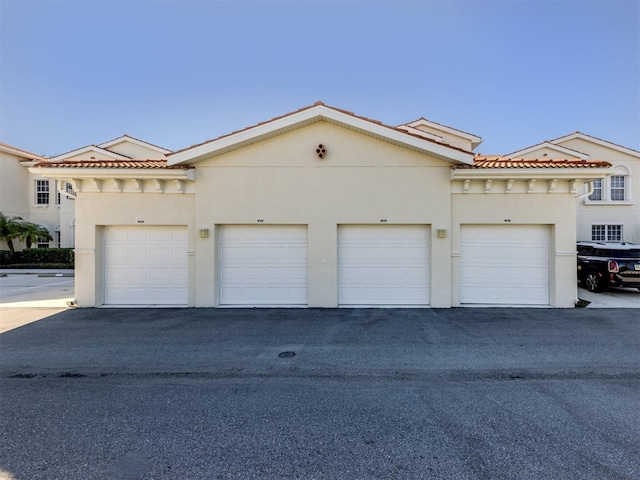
x=58, y=173
x=530, y=173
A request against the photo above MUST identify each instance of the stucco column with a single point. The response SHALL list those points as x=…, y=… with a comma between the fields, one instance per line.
x=322, y=251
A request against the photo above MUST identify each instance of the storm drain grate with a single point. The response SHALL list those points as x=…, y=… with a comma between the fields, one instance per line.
x=287, y=354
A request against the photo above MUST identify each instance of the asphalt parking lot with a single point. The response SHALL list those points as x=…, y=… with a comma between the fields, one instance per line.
x=313, y=393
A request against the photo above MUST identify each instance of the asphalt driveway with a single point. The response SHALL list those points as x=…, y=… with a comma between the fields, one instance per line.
x=290, y=393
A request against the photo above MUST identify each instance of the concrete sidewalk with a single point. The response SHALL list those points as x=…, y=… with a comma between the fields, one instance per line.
x=65, y=272
x=611, y=298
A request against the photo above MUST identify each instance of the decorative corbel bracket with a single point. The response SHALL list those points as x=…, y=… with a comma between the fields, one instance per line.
x=155, y=186
x=574, y=186
x=531, y=185
x=509, y=185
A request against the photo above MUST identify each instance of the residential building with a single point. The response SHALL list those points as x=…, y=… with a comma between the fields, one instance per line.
x=51, y=203
x=611, y=210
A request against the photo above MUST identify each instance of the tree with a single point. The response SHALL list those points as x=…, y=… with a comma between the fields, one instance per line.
x=31, y=232
x=10, y=229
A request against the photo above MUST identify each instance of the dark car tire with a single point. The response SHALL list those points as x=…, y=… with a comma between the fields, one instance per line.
x=592, y=281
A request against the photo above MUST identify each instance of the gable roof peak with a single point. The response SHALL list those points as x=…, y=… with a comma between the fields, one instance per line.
x=311, y=114
x=137, y=141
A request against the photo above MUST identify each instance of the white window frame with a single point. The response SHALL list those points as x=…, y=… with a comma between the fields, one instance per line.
x=615, y=187
x=42, y=192
x=606, y=231
x=597, y=196
x=604, y=189
x=41, y=243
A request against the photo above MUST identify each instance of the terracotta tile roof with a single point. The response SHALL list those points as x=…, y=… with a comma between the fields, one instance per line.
x=144, y=164
x=21, y=152
x=498, y=161
x=320, y=103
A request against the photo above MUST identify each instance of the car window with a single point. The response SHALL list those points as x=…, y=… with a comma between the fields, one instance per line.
x=628, y=254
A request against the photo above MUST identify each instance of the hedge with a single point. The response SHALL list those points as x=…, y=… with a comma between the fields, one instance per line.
x=38, y=256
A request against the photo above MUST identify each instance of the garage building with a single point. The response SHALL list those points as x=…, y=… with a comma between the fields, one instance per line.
x=324, y=208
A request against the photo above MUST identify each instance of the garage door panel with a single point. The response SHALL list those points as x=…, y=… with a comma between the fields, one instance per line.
x=145, y=265
x=504, y=264
x=137, y=274
x=263, y=265
x=139, y=234
x=383, y=265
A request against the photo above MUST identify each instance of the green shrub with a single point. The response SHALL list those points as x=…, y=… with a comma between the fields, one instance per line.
x=7, y=257
x=39, y=257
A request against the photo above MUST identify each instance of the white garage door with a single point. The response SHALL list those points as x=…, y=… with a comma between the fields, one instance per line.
x=504, y=265
x=145, y=265
x=383, y=265
x=263, y=265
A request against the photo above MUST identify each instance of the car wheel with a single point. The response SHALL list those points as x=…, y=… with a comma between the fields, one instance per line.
x=592, y=281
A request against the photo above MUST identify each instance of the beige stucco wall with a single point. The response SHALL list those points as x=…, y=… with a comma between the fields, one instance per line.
x=14, y=177
x=94, y=211
x=135, y=151
x=91, y=155
x=544, y=153
x=14, y=199
x=360, y=181
x=553, y=210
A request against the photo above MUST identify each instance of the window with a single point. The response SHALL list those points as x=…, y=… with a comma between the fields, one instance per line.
x=612, y=189
x=57, y=197
x=42, y=243
x=58, y=237
x=42, y=192
x=606, y=233
x=617, y=187
x=69, y=188
x=597, y=191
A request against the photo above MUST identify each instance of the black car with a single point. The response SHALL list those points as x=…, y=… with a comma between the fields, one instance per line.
x=603, y=265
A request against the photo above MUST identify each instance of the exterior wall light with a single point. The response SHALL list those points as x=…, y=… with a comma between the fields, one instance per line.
x=441, y=232
x=204, y=233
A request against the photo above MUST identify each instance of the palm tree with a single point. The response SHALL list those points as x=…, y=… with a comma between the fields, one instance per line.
x=31, y=232
x=9, y=229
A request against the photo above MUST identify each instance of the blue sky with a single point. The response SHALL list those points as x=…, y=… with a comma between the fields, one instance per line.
x=176, y=73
